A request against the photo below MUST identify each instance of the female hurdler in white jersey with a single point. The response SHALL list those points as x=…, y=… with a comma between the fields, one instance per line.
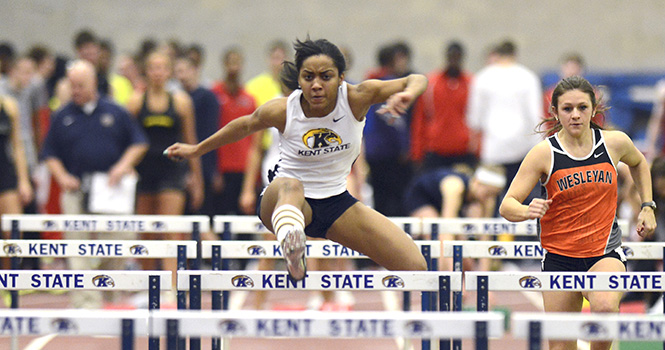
x=320, y=127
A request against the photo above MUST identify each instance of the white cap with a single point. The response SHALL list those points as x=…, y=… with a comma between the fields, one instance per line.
x=490, y=177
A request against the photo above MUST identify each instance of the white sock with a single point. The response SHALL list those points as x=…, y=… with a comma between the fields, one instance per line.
x=284, y=218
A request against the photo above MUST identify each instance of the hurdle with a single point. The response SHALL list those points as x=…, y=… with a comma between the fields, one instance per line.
x=567, y=326
x=175, y=324
x=226, y=225
x=483, y=281
x=152, y=281
x=533, y=250
x=336, y=325
x=126, y=324
x=16, y=223
x=441, y=282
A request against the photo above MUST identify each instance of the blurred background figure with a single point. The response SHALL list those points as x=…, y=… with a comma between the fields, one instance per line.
x=206, y=114
x=505, y=106
x=232, y=159
x=440, y=136
x=386, y=137
x=166, y=117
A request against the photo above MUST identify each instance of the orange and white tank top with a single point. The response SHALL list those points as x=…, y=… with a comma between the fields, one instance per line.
x=581, y=221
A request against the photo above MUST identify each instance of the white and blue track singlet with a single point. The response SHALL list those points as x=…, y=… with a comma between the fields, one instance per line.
x=320, y=151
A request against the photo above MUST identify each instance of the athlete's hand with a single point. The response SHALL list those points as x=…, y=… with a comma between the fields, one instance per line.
x=646, y=222
x=397, y=104
x=537, y=208
x=180, y=151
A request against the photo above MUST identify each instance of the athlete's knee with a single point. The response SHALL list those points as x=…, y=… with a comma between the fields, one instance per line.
x=606, y=305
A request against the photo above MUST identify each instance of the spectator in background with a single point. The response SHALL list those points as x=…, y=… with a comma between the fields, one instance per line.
x=440, y=136
x=232, y=158
x=7, y=56
x=90, y=134
x=505, y=106
x=165, y=117
x=452, y=192
x=266, y=86
x=387, y=138
x=120, y=86
x=86, y=45
x=197, y=54
x=18, y=84
x=571, y=64
x=15, y=187
x=130, y=68
x=206, y=114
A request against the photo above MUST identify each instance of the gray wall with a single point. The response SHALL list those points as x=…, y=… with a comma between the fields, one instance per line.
x=613, y=35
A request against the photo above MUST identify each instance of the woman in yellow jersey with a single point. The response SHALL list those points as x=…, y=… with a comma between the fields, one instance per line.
x=577, y=167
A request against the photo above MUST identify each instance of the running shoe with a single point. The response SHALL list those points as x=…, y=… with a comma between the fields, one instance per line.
x=293, y=248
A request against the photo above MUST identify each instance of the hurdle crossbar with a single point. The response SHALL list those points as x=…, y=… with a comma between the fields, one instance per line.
x=533, y=250
x=65, y=248
x=316, y=324
x=567, y=326
x=566, y=281
x=82, y=280
x=105, y=223
x=488, y=226
x=272, y=249
x=72, y=322
x=320, y=280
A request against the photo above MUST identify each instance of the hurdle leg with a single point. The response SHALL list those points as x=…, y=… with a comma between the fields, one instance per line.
x=457, y=296
x=195, y=304
x=444, y=305
x=127, y=334
x=534, y=335
x=172, y=334
x=482, y=303
x=216, y=342
x=153, y=304
x=481, y=335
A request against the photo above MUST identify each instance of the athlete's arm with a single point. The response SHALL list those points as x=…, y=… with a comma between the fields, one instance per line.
x=533, y=168
x=398, y=94
x=270, y=114
x=624, y=149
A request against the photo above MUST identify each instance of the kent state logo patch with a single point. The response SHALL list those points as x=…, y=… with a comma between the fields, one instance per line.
x=103, y=281
x=469, y=228
x=12, y=249
x=48, y=224
x=242, y=281
x=417, y=329
x=593, y=330
x=530, y=282
x=321, y=138
x=138, y=249
x=231, y=327
x=256, y=250
x=497, y=250
x=64, y=326
x=393, y=281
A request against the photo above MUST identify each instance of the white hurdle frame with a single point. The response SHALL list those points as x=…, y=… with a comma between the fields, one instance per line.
x=533, y=250
x=17, y=223
x=483, y=282
x=254, y=324
x=224, y=280
x=566, y=326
